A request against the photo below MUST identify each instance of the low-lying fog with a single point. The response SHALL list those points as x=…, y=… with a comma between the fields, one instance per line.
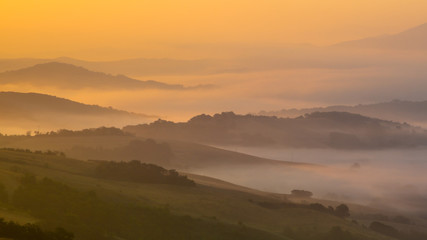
x=391, y=179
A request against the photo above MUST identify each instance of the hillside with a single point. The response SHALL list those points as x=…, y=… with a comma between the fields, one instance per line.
x=23, y=112
x=411, y=39
x=68, y=76
x=104, y=144
x=204, y=211
x=402, y=111
x=315, y=130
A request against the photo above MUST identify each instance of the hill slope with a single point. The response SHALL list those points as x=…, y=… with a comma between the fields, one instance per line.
x=32, y=111
x=96, y=208
x=67, y=76
x=330, y=129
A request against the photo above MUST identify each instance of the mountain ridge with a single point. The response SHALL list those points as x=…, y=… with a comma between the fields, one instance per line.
x=132, y=67
x=68, y=76
x=32, y=111
x=315, y=130
x=411, y=39
x=414, y=112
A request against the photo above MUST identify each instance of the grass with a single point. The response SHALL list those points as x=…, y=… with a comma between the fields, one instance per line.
x=212, y=200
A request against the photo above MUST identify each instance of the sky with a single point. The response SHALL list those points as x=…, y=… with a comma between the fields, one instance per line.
x=113, y=29
x=277, y=50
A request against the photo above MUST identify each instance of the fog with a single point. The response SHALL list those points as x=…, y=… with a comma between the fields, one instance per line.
x=392, y=180
x=255, y=79
x=256, y=91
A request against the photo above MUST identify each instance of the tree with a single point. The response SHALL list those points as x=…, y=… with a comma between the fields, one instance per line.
x=342, y=211
x=301, y=193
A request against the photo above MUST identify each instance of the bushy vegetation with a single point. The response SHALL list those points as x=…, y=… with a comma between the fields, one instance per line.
x=48, y=152
x=102, y=131
x=135, y=171
x=341, y=210
x=335, y=233
x=301, y=193
x=395, y=233
x=31, y=232
x=144, y=150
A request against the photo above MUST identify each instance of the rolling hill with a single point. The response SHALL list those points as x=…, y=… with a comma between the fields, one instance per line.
x=315, y=130
x=21, y=112
x=402, y=111
x=68, y=76
x=91, y=207
x=105, y=144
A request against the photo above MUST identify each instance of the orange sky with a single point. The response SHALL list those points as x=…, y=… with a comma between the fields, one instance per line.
x=113, y=29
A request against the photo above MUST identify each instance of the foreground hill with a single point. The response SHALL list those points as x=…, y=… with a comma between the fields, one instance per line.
x=61, y=192
x=21, y=112
x=402, y=111
x=319, y=130
x=68, y=76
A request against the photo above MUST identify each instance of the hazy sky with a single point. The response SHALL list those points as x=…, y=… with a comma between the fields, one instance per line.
x=113, y=29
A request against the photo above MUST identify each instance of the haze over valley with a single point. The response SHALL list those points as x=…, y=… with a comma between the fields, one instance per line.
x=272, y=120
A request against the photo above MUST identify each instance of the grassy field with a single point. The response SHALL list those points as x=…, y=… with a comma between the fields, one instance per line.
x=212, y=200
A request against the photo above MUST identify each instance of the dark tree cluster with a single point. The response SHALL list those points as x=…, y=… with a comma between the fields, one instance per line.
x=135, y=171
x=395, y=233
x=341, y=211
x=31, y=232
x=301, y=193
x=147, y=150
x=335, y=233
x=381, y=217
x=48, y=152
x=102, y=131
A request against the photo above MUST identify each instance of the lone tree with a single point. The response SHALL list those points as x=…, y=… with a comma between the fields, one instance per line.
x=342, y=211
x=301, y=193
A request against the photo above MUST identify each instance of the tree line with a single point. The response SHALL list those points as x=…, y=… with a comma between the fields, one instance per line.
x=47, y=152
x=135, y=171
x=31, y=232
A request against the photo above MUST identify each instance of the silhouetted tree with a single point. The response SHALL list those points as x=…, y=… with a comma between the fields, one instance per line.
x=342, y=211
x=301, y=193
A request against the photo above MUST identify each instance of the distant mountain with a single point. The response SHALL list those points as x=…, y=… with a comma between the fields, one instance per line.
x=412, y=39
x=315, y=130
x=403, y=111
x=67, y=76
x=32, y=111
x=132, y=67
x=151, y=66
